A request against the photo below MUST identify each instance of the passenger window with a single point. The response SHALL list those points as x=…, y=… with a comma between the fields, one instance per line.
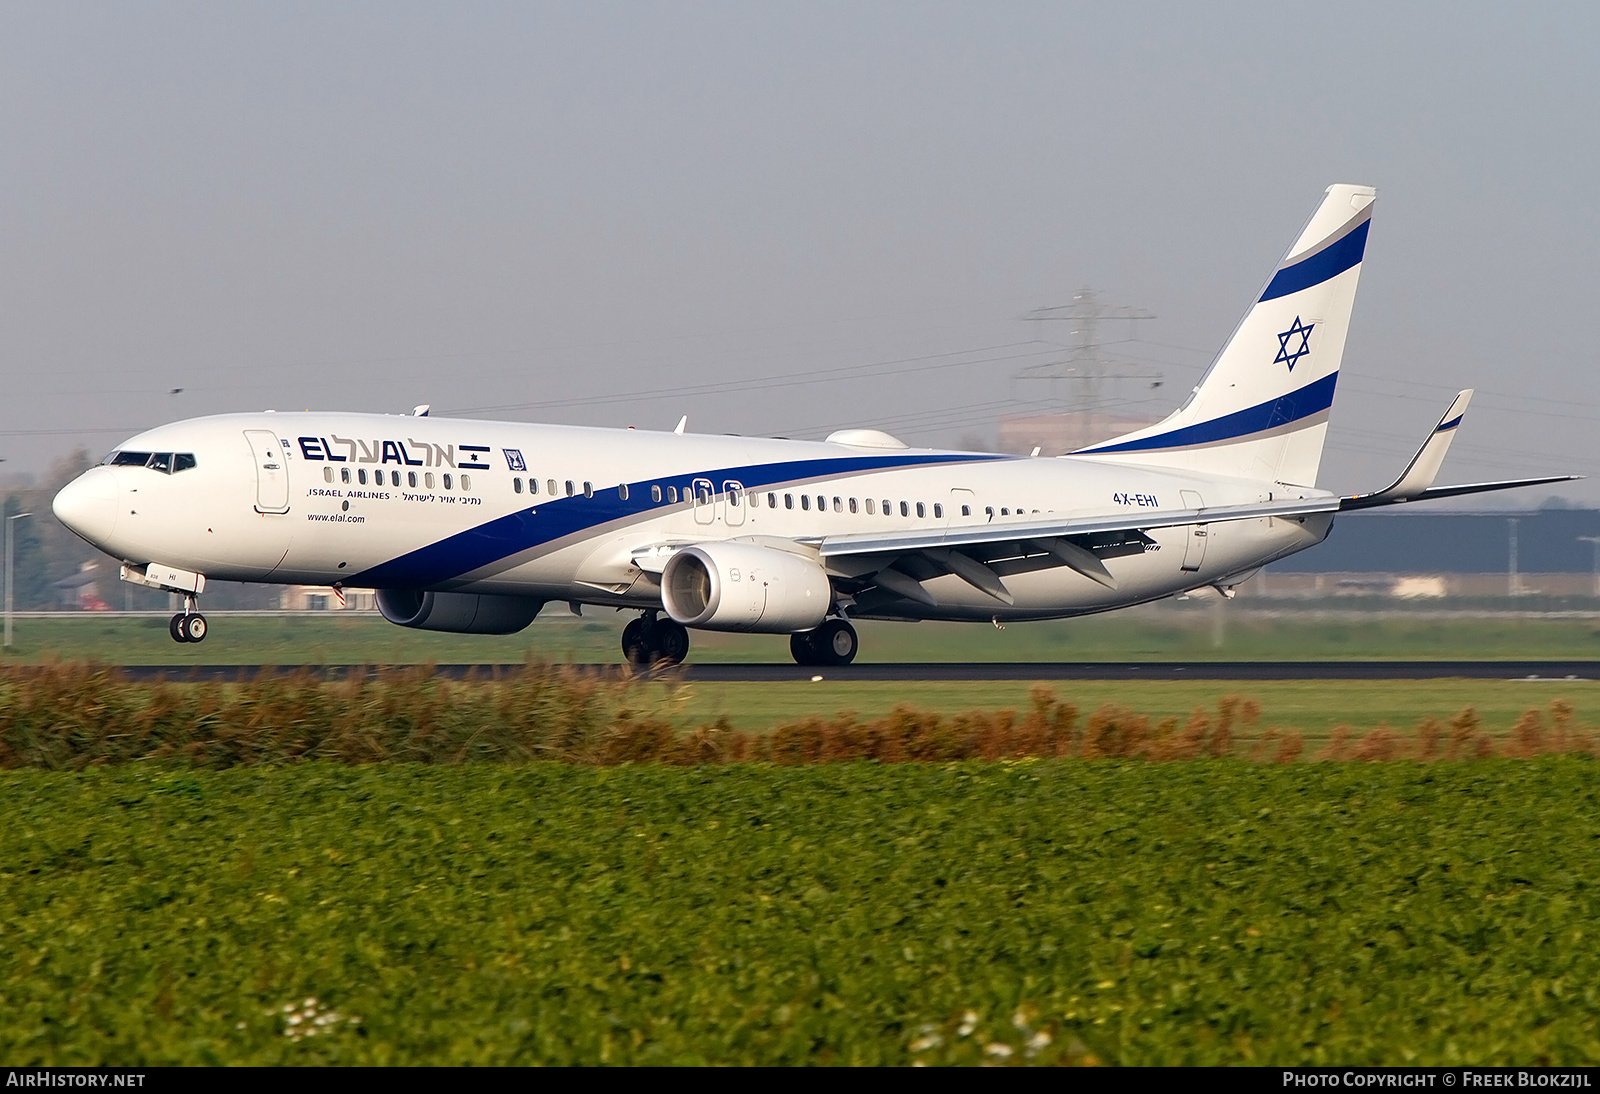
x=788, y=501
x=853, y=505
x=905, y=510
x=772, y=501
x=551, y=483
x=466, y=482
x=182, y=462
x=394, y=478
x=570, y=490
x=361, y=476
x=447, y=480
x=427, y=479
x=411, y=479
x=755, y=501
x=622, y=491
x=327, y=474
x=655, y=492
x=805, y=502
x=921, y=511
x=872, y=507
x=588, y=489
x=672, y=493
x=822, y=504
x=888, y=508
x=838, y=505
x=735, y=496
x=938, y=510
x=533, y=486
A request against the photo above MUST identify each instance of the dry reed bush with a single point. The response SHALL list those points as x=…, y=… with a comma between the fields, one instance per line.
x=1381, y=744
x=1429, y=731
x=1338, y=745
x=66, y=716
x=1290, y=747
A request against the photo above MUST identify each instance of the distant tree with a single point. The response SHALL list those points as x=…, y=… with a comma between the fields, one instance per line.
x=47, y=551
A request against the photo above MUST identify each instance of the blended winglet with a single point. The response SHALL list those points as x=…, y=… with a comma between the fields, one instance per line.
x=1424, y=466
x=1416, y=481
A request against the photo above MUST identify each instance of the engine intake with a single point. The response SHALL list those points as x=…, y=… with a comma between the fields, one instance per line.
x=459, y=613
x=744, y=587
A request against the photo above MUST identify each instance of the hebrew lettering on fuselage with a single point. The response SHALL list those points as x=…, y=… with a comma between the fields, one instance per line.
x=390, y=451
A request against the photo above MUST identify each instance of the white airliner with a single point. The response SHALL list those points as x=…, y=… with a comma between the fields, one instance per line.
x=473, y=526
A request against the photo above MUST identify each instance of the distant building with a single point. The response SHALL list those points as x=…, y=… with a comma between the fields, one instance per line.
x=1058, y=434
x=81, y=591
x=320, y=598
x=1417, y=554
x=1415, y=541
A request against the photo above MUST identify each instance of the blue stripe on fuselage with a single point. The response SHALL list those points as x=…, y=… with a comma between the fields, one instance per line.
x=1314, y=398
x=547, y=521
x=1331, y=261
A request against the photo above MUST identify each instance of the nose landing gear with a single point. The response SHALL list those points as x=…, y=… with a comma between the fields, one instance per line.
x=650, y=639
x=188, y=625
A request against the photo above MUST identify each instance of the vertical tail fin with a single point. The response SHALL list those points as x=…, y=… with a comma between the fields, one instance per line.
x=1261, y=410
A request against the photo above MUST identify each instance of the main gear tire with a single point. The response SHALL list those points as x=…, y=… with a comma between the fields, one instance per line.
x=636, y=642
x=670, y=641
x=834, y=643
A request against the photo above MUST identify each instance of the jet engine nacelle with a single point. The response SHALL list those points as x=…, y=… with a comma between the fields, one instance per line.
x=744, y=587
x=460, y=613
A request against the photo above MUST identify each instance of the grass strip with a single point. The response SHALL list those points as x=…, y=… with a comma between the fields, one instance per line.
x=1042, y=912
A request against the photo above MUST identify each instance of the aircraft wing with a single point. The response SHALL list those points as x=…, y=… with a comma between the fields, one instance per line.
x=1006, y=530
x=982, y=554
x=1416, y=481
x=1368, y=501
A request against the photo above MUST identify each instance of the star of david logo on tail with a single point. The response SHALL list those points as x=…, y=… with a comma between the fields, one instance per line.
x=1286, y=356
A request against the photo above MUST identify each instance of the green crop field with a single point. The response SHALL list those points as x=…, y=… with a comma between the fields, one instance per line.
x=1167, y=631
x=1024, y=912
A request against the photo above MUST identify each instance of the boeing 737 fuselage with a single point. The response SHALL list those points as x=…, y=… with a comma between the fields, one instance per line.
x=473, y=526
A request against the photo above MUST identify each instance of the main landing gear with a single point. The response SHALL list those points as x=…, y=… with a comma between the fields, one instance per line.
x=188, y=625
x=651, y=639
x=833, y=643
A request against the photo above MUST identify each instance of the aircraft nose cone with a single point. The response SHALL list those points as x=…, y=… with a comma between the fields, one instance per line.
x=88, y=505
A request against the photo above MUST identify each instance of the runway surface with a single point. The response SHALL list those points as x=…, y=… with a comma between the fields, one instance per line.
x=991, y=670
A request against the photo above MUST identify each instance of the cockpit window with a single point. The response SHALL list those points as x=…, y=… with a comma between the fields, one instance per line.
x=168, y=463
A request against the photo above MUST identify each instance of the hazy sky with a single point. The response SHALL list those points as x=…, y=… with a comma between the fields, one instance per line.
x=784, y=218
